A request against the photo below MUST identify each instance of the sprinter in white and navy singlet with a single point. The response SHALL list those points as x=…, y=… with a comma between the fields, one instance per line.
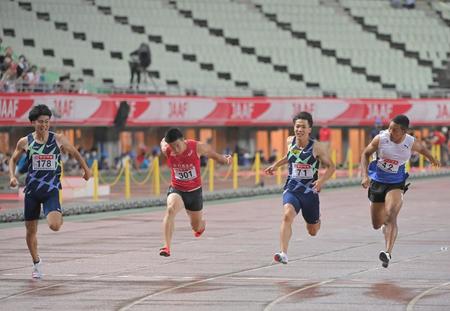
x=303, y=171
x=43, y=183
x=385, y=177
x=303, y=167
x=303, y=184
x=43, y=164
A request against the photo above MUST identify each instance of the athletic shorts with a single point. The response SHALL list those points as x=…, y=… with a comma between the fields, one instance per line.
x=308, y=203
x=377, y=190
x=33, y=201
x=193, y=200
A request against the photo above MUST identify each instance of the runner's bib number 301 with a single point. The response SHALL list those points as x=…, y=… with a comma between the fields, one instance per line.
x=302, y=171
x=44, y=162
x=387, y=165
x=185, y=174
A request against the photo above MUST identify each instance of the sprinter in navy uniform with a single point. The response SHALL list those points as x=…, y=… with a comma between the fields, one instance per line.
x=43, y=150
x=301, y=191
x=386, y=176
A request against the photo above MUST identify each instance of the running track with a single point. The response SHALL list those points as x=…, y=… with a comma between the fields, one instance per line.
x=109, y=261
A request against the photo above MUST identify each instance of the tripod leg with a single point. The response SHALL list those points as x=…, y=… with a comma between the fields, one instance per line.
x=153, y=81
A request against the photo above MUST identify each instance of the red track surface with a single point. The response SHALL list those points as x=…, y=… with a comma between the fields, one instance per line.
x=110, y=261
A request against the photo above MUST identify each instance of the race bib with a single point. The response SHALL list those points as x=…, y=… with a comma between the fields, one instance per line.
x=388, y=165
x=185, y=175
x=302, y=171
x=44, y=162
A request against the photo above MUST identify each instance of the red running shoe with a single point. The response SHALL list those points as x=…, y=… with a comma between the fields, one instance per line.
x=164, y=251
x=197, y=234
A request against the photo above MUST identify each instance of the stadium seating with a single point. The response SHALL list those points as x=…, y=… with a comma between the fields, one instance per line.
x=346, y=48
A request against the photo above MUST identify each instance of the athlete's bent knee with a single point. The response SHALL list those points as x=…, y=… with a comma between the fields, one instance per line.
x=313, y=232
x=54, y=227
x=171, y=211
x=391, y=217
x=313, y=229
x=376, y=226
x=288, y=217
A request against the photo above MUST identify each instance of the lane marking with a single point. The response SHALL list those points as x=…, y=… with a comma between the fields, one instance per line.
x=170, y=289
x=281, y=298
x=413, y=302
x=273, y=303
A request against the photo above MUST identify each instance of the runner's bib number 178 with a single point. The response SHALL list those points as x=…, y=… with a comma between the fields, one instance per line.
x=44, y=162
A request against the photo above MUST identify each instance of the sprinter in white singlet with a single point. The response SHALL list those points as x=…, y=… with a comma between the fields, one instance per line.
x=386, y=176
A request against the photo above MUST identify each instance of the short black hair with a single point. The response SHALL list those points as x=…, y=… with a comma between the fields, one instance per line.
x=39, y=110
x=172, y=135
x=304, y=116
x=401, y=120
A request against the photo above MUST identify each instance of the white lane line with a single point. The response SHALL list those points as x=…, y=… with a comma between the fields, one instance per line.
x=45, y=275
x=273, y=303
x=302, y=289
x=142, y=299
x=263, y=278
x=413, y=302
x=138, y=301
x=30, y=291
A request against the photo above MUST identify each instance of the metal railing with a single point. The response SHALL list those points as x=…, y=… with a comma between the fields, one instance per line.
x=199, y=90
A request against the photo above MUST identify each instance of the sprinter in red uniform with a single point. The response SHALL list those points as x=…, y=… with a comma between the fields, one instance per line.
x=185, y=191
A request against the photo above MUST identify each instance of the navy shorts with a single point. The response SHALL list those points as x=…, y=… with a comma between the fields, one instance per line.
x=193, y=200
x=308, y=203
x=33, y=201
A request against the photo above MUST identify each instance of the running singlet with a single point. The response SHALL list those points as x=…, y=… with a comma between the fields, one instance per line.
x=303, y=167
x=185, y=167
x=43, y=165
x=389, y=167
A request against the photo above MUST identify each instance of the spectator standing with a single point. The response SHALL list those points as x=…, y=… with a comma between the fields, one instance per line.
x=325, y=136
x=438, y=138
x=140, y=59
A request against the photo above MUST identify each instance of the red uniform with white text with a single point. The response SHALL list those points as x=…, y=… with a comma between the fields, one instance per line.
x=185, y=168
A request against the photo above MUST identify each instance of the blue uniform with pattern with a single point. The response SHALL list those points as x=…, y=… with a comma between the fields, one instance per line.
x=303, y=171
x=43, y=179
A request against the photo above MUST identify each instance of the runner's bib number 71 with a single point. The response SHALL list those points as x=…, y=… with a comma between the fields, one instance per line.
x=302, y=171
x=44, y=162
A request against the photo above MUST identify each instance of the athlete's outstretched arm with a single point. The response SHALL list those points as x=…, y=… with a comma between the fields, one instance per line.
x=271, y=169
x=68, y=147
x=283, y=161
x=207, y=151
x=20, y=147
x=365, y=159
x=322, y=153
x=422, y=149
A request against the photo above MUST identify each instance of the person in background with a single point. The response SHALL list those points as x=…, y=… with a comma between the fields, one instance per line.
x=325, y=136
x=140, y=60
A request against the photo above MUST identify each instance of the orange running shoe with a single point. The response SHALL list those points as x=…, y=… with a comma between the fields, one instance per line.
x=197, y=234
x=164, y=251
